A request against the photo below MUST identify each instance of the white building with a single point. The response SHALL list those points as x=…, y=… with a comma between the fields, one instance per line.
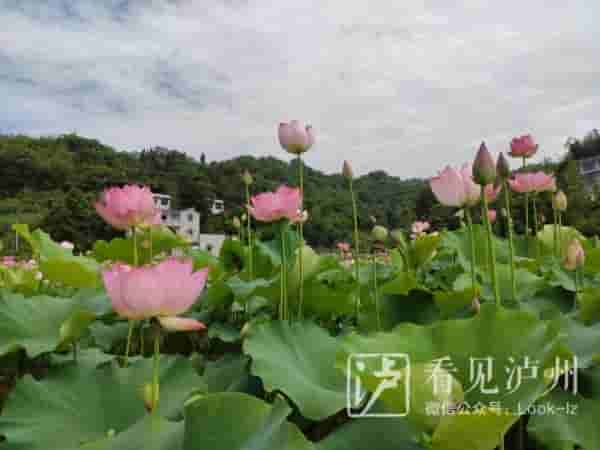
x=185, y=222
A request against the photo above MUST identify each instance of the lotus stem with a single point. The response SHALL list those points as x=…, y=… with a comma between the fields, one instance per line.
x=128, y=345
x=249, y=232
x=301, y=230
x=492, y=250
x=356, y=245
x=535, y=229
x=376, y=293
x=526, y=209
x=155, y=369
x=284, y=306
x=555, y=232
x=472, y=239
x=511, y=244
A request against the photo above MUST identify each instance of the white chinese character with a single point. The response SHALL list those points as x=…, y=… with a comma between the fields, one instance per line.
x=481, y=373
x=518, y=373
x=440, y=375
x=568, y=371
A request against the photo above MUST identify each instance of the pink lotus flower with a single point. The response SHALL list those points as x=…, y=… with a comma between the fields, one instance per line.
x=343, y=247
x=454, y=187
x=163, y=291
x=492, y=215
x=9, y=261
x=491, y=192
x=532, y=182
x=575, y=257
x=523, y=147
x=127, y=207
x=68, y=245
x=284, y=203
x=419, y=228
x=296, y=138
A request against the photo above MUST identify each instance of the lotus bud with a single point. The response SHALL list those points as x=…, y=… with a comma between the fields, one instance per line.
x=559, y=201
x=236, y=223
x=247, y=178
x=244, y=217
x=484, y=168
x=373, y=219
x=502, y=167
x=296, y=138
x=150, y=394
x=397, y=236
x=347, y=170
x=492, y=215
x=476, y=305
x=575, y=257
x=380, y=233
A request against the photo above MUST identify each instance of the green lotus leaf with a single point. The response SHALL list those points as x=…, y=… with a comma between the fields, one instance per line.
x=234, y=421
x=298, y=359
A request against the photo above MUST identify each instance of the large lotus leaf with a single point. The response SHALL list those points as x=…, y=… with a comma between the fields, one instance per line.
x=505, y=336
x=460, y=241
x=424, y=248
x=40, y=324
x=589, y=304
x=402, y=284
x=382, y=433
x=527, y=283
x=41, y=243
x=453, y=302
x=148, y=242
x=73, y=271
x=84, y=403
x=233, y=421
x=480, y=430
x=298, y=359
x=583, y=341
x=561, y=429
x=230, y=373
x=150, y=433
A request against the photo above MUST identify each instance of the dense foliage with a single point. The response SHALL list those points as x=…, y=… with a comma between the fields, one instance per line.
x=51, y=182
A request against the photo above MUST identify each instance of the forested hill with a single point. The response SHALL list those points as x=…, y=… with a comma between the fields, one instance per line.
x=52, y=182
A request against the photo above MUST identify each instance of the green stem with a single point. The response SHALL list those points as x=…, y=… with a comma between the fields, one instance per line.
x=249, y=232
x=526, y=210
x=356, y=246
x=300, y=249
x=472, y=239
x=376, y=293
x=577, y=288
x=128, y=345
x=142, y=338
x=511, y=244
x=135, y=247
x=155, y=370
x=535, y=229
x=284, y=299
x=555, y=233
x=492, y=250
x=560, y=244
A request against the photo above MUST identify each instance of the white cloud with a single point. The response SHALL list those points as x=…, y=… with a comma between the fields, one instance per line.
x=402, y=86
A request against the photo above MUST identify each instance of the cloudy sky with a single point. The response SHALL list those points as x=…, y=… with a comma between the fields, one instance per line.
x=405, y=86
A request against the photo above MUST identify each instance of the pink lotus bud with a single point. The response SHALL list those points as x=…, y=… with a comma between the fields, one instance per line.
x=247, y=178
x=559, y=201
x=502, y=167
x=347, y=170
x=284, y=203
x=532, y=182
x=523, y=147
x=575, y=257
x=164, y=290
x=301, y=217
x=491, y=192
x=492, y=215
x=380, y=233
x=128, y=207
x=453, y=187
x=296, y=138
x=418, y=228
x=9, y=261
x=484, y=168
x=68, y=245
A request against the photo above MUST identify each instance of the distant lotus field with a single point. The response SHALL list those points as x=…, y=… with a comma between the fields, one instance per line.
x=413, y=339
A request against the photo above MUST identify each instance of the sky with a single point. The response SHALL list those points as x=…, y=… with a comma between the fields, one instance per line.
x=402, y=86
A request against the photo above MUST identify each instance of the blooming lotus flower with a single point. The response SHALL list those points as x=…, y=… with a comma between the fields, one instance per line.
x=128, y=207
x=68, y=245
x=163, y=291
x=9, y=261
x=532, y=182
x=453, y=187
x=523, y=147
x=492, y=214
x=343, y=246
x=575, y=257
x=419, y=228
x=296, y=138
x=284, y=203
